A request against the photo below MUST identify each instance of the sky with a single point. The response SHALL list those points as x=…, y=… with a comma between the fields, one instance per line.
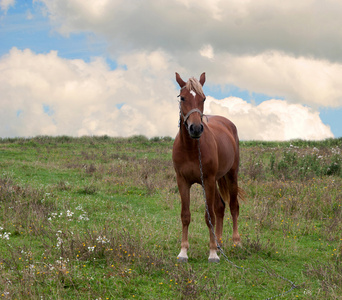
x=107, y=67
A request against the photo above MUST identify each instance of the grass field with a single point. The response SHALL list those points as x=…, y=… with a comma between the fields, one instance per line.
x=99, y=218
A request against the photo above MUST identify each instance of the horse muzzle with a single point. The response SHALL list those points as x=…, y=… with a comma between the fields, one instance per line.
x=195, y=130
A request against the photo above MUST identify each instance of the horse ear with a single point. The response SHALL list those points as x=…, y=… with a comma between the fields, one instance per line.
x=180, y=80
x=202, y=79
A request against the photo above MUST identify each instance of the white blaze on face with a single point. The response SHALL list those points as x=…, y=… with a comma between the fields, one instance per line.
x=193, y=93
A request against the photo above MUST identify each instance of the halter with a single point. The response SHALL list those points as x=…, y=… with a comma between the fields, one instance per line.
x=189, y=113
x=186, y=117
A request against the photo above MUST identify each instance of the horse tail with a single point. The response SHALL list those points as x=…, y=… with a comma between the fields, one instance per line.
x=241, y=194
x=225, y=185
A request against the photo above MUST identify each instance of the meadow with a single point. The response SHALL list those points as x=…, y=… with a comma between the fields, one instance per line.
x=99, y=218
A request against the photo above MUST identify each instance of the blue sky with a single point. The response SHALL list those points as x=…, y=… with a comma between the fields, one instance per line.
x=114, y=41
x=24, y=26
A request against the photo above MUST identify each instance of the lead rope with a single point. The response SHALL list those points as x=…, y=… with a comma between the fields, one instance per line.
x=293, y=285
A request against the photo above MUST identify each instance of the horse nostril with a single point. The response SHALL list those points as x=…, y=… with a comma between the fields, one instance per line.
x=191, y=128
x=196, y=130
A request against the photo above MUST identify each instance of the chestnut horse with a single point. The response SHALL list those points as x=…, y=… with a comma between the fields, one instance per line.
x=219, y=147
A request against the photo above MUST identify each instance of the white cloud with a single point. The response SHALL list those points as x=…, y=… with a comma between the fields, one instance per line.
x=288, y=50
x=298, y=79
x=49, y=95
x=43, y=94
x=5, y=4
x=29, y=15
x=207, y=51
x=307, y=27
x=270, y=120
x=212, y=7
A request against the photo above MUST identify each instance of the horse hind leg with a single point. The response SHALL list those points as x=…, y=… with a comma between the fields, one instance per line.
x=219, y=213
x=234, y=210
x=229, y=190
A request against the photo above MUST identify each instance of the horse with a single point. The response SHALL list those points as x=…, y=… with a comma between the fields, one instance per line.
x=216, y=138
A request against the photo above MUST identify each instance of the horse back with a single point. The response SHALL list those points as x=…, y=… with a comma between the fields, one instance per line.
x=219, y=123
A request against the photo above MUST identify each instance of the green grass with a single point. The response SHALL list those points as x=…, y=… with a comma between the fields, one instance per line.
x=99, y=217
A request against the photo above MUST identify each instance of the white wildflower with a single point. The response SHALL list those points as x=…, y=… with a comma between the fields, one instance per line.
x=59, y=239
x=102, y=239
x=5, y=235
x=69, y=213
x=83, y=217
x=59, y=242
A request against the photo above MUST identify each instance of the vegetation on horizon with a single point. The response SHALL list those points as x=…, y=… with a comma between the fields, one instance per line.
x=99, y=218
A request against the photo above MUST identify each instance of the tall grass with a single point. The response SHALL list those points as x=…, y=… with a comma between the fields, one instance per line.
x=99, y=217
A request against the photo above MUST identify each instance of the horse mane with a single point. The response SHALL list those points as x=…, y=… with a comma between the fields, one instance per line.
x=194, y=85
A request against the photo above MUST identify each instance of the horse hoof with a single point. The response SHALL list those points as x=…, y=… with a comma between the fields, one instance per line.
x=182, y=259
x=213, y=260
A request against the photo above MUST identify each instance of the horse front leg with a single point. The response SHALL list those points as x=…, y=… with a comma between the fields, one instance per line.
x=210, y=187
x=184, y=190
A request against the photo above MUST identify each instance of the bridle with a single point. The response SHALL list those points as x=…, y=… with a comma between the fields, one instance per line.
x=186, y=117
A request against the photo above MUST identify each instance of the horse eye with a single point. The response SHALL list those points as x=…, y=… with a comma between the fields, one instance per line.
x=204, y=99
x=182, y=98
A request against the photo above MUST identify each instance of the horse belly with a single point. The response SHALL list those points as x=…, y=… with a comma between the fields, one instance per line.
x=224, y=167
x=226, y=151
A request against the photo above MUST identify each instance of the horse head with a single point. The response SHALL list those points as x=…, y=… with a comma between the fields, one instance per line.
x=192, y=104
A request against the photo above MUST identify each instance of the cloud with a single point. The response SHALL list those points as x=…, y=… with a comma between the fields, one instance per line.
x=270, y=120
x=44, y=94
x=298, y=79
x=287, y=50
x=207, y=51
x=305, y=28
x=5, y=4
